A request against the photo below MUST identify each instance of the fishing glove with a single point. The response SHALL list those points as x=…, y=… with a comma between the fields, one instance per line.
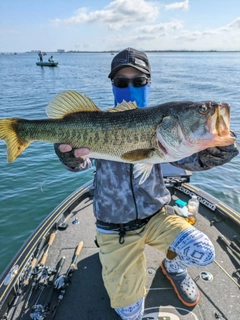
x=208, y=158
x=69, y=160
x=217, y=156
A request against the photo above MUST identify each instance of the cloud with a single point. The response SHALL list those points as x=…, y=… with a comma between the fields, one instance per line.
x=145, y=34
x=184, y=5
x=231, y=29
x=129, y=40
x=169, y=26
x=116, y=15
x=235, y=25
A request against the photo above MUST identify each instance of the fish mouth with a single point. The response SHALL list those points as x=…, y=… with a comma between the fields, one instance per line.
x=221, y=125
x=223, y=119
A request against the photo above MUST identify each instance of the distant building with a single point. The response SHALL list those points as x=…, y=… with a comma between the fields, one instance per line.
x=60, y=50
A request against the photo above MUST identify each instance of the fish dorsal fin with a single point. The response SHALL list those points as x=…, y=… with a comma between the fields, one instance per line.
x=69, y=102
x=124, y=106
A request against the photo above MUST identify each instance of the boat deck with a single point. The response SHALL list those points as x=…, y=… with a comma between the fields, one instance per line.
x=86, y=298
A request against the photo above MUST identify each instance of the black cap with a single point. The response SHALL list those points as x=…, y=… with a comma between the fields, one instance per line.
x=130, y=57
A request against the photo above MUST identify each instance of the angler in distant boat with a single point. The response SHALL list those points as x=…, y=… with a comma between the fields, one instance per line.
x=40, y=54
x=51, y=59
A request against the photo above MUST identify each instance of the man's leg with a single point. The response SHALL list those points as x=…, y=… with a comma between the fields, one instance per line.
x=190, y=248
x=184, y=246
x=124, y=272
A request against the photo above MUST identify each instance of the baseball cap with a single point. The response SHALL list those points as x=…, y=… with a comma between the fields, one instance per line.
x=130, y=57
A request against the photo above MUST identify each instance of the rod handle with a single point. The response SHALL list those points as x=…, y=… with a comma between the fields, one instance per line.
x=52, y=237
x=79, y=248
x=50, y=242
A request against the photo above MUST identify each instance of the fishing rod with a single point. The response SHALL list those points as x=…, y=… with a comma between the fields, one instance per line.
x=40, y=311
x=38, y=273
x=34, y=261
x=41, y=267
x=228, y=245
x=43, y=281
x=64, y=280
x=45, y=255
x=26, y=279
x=57, y=272
x=236, y=243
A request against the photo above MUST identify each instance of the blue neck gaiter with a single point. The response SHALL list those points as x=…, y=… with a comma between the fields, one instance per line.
x=131, y=93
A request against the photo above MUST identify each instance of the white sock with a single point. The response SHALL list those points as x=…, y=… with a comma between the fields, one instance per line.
x=174, y=265
x=133, y=312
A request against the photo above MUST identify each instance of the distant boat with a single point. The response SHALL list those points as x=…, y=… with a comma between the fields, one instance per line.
x=47, y=64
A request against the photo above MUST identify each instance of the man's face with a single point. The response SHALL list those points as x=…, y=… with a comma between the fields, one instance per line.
x=130, y=84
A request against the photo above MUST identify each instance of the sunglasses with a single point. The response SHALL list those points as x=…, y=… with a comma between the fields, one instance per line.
x=124, y=82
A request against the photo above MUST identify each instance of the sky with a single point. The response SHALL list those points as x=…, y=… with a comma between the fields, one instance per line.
x=105, y=25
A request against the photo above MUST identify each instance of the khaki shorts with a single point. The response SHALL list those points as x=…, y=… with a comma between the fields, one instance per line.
x=124, y=265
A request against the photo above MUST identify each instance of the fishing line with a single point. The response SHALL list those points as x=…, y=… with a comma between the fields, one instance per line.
x=41, y=185
x=227, y=273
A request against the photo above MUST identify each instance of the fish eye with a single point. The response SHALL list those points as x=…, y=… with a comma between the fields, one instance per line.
x=203, y=108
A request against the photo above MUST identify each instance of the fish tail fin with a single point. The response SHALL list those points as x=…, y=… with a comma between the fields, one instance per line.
x=9, y=133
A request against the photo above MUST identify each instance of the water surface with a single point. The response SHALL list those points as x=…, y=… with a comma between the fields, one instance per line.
x=33, y=185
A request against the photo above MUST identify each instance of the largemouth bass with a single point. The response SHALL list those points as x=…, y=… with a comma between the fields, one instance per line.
x=145, y=136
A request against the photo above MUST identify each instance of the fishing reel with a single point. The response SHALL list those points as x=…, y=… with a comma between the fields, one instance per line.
x=38, y=312
x=62, y=282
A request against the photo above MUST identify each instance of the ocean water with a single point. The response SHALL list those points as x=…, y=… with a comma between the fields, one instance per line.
x=33, y=185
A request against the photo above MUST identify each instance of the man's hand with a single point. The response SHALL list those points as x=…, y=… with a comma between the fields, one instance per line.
x=78, y=153
x=218, y=156
x=72, y=158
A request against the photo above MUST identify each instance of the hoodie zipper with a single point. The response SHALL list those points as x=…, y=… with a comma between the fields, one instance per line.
x=134, y=198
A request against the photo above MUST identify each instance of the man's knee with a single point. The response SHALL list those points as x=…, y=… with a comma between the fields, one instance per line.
x=194, y=247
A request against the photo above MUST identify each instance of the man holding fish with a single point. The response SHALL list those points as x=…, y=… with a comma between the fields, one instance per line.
x=128, y=143
x=130, y=214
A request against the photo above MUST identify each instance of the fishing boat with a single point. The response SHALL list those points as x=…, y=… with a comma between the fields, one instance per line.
x=47, y=64
x=57, y=272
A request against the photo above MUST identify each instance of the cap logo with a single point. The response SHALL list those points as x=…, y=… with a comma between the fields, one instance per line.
x=139, y=62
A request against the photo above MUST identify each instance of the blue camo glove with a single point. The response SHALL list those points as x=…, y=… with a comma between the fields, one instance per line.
x=218, y=156
x=69, y=160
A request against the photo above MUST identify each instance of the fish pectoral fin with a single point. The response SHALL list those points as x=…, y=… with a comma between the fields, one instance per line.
x=8, y=132
x=143, y=169
x=124, y=106
x=138, y=154
x=69, y=102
